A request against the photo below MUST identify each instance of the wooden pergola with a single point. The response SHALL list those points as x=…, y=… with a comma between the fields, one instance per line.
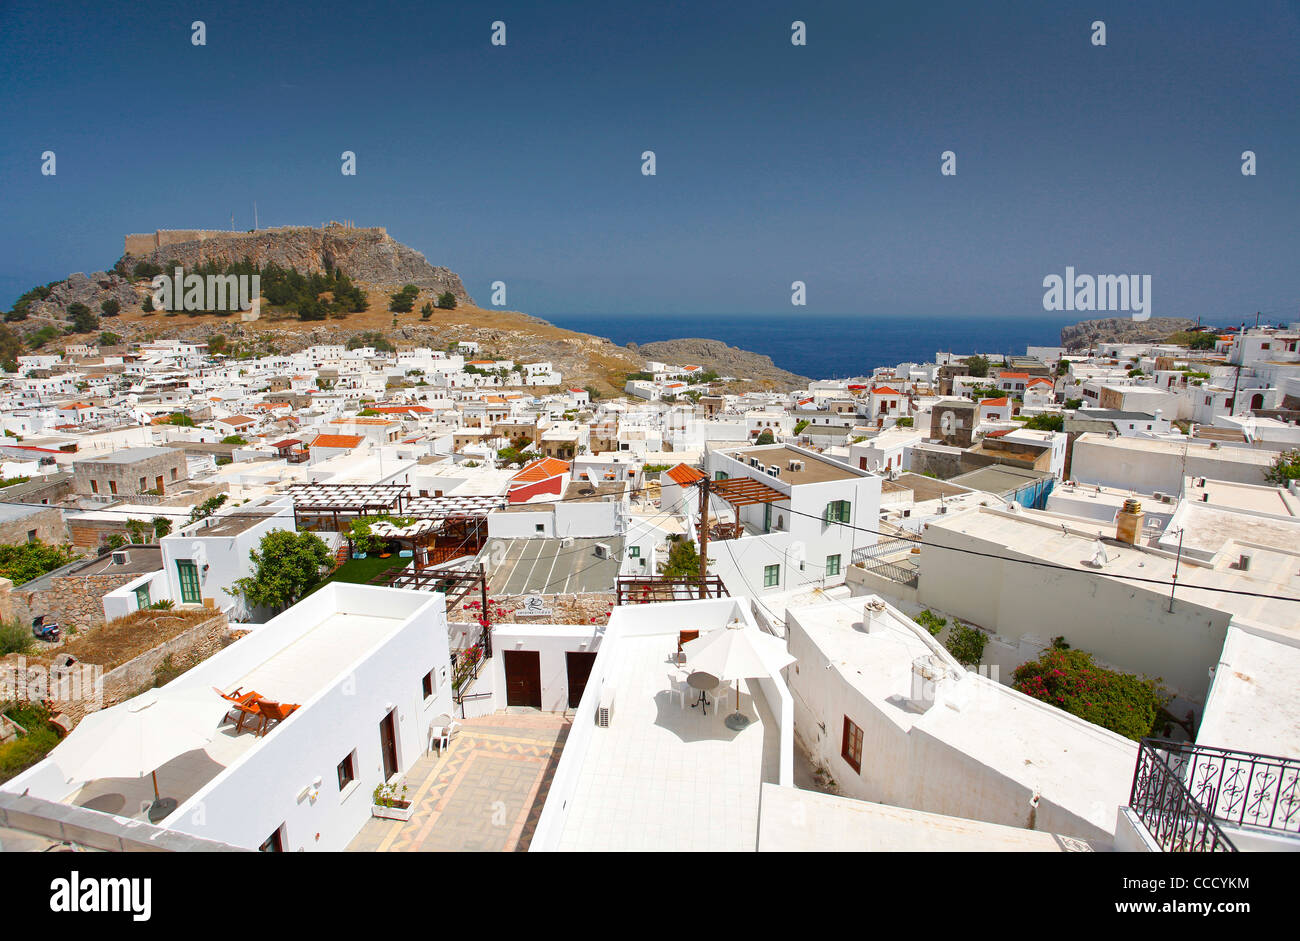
x=739, y=492
x=314, y=503
x=745, y=491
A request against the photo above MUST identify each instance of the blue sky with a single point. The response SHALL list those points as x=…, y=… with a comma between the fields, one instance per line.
x=775, y=163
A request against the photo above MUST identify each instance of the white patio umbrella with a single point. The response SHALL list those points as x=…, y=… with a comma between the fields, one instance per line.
x=737, y=653
x=139, y=736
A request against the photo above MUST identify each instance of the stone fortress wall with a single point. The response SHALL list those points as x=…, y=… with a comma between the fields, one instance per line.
x=143, y=243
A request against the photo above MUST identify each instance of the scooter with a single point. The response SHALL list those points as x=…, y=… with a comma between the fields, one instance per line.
x=44, y=631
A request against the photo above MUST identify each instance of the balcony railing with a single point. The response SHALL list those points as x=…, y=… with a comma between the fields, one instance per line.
x=1240, y=789
x=1173, y=816
x=890, y=558
x=1186, y=794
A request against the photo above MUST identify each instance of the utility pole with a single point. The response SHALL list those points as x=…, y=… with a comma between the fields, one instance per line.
x=1174, y=583
x=704, y=535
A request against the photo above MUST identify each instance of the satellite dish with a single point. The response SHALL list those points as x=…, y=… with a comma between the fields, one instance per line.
x=1098, y=555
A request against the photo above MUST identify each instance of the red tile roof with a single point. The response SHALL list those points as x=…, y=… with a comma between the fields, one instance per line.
x=337, y=441
x=542, y=469
x=684, y=474
x=996, y=403
x=885, y=390
x=1013, y=375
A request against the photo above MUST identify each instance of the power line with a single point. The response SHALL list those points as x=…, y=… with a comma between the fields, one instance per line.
x=1055, y=565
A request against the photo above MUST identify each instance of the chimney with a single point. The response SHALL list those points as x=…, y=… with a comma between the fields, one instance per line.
x=1128, y=524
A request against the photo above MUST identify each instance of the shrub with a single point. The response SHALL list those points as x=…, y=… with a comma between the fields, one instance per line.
x=1046, y=422
x=15, y=637
x=26, y=750
x=931, y=622
x=111, y=307
x=447, y=300
x=1069, y=679
x=1285, y=468
x=25, y=561
x=966, y=644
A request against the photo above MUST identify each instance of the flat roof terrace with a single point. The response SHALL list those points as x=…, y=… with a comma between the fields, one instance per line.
x=816, y=470
x=665, y=776
x=349, y=621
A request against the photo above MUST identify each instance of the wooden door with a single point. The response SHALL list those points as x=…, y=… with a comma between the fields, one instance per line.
x=388, y=745
x=578, y=663
x=523, y=678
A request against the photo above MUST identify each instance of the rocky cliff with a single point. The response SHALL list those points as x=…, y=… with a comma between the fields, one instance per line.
x=723, y=359
x=368, y=255
x=1121, y=330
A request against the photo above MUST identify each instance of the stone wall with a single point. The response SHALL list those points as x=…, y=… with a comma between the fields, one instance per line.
x=46, y=522
x=75, y=689
x=195, y=645
x=78, y=600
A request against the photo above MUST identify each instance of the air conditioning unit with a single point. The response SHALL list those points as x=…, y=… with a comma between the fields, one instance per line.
x=121, y=557
x=605, y=708
x=1162, y=497
x=566, y=542
x=796, y=465
x=773, y=470
x=602, y=550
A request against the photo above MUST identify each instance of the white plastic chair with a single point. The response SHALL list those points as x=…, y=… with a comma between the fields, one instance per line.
x=440, y=733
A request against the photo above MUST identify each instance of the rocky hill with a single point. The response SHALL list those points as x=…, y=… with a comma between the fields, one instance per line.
x=370, y=255
x=1121, y=330
x=725, y=360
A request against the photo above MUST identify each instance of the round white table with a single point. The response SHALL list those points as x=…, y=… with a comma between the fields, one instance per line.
x=703, y=682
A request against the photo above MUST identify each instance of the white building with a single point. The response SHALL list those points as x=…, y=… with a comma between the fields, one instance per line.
x=368, y=668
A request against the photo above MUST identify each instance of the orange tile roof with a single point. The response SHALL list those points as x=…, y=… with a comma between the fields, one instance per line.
x=994, y=402
x=685, y=474
x=542, y=469
x=885, y=390
x=337, y=441
x=1013, y=375
x=1040, y=380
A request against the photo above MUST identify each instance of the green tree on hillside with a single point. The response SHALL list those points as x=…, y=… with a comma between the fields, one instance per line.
x=447, y=300
x=83, y=321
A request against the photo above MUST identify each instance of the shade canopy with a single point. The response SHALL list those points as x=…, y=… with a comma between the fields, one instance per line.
x=139, y=736
x=737, y=652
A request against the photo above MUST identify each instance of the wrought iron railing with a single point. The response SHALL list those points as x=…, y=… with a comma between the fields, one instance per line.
x=1240, y=789
x=1173, y=816
x=872, y=559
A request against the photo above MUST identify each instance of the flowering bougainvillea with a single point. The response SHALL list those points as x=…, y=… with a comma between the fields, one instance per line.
x=1070, y=680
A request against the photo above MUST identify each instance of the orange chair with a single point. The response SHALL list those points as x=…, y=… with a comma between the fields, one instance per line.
x=273, y=712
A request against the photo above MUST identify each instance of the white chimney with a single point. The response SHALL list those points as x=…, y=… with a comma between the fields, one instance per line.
x=873, y=616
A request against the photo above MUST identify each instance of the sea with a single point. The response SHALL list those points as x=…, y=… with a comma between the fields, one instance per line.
x=832, y=346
